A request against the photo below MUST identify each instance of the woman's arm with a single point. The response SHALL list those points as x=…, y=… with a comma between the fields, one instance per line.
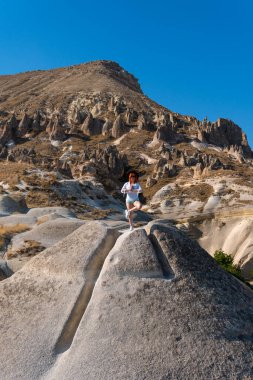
x=138, y=190
x=124, y=189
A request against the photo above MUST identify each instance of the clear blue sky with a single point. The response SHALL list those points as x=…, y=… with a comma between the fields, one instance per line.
x=194, y=57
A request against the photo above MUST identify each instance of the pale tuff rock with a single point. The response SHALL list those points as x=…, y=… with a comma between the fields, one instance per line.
x=57, y=131
x=112, y=159
x=145, y=122
x=118, y=128
x=150, y=182
x=108, y=159
x=50, y=126
x=182, y=161
x=76, y=112
x=107, y=128
x=27, y=244
x=88, y=124
x=8, y=130
x=142, y=121
x=201, y=136
x=39, y=299
x=23, y=126
x=224, y=133
x=147, y=284
x=97, y=109
x=36, y=122
x=164, y=169
x=130, y=116
x=164, y=133
x=198, y=169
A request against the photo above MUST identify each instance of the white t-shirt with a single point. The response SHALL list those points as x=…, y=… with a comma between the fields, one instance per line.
x=132, y=192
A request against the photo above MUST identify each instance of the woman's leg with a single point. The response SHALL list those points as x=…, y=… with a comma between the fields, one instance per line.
x=130, y=206
x=136, y=206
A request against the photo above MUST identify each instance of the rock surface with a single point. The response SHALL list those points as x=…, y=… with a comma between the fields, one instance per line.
x=45, y=235
x=38, y=301
x=12, y=203
x=159, y=301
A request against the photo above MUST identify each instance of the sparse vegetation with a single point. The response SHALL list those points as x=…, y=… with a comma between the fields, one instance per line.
x=6, y=232
x=226, y=262
x=29, y=248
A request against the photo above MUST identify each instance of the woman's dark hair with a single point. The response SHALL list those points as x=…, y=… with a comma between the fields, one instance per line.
x=133, y=173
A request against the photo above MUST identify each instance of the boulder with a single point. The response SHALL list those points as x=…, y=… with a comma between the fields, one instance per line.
x=42, y=304
x=160, y=296
x=10, y=203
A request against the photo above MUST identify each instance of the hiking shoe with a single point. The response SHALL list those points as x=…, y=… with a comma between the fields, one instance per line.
x=131, y=228
x=126, y=214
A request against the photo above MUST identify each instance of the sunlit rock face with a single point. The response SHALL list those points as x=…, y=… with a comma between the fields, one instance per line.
x=108, y=306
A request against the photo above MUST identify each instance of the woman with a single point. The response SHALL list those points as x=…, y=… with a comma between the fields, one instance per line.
x=132, y=189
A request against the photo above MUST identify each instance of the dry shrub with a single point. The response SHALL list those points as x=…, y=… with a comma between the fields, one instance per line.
x=29, y=248
x=17, y=171
x=6, y=232
x=13, y=229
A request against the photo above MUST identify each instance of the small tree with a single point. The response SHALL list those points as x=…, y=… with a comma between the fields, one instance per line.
x=226, y=262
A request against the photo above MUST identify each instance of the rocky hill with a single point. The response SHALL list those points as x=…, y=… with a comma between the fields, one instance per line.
x=86, y=299
x=68, y=137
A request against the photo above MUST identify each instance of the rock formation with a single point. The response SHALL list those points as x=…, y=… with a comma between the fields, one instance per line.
x=57, y=131
x=7, y=132
x=107, y=128
x=118, y=128
x=110, y=310
x=23, y=126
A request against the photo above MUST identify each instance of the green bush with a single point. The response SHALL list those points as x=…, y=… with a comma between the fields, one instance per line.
x=226, y=262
